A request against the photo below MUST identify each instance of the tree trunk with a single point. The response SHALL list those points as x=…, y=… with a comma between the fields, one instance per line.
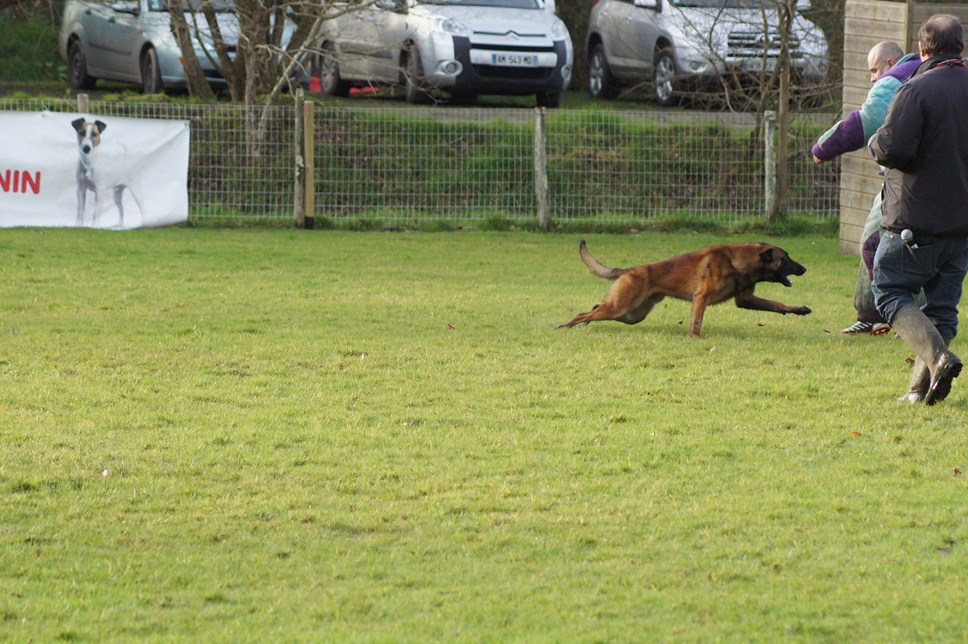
x=194, y=76
x=787, y=13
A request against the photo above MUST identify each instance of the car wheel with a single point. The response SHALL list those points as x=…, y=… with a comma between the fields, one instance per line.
x=665, y=78
x=416, y=90
x=79, y=78
x=548, y=99
x=151, y=73
x=326, y=66
x=601, y=83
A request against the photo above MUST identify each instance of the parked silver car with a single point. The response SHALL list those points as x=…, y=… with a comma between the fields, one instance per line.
x=466, y=47
x=675, y=42
x=132, y=41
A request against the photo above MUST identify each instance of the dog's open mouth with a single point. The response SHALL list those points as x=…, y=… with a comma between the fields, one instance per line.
x=787, y=269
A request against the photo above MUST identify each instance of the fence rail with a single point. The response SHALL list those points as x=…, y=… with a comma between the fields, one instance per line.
x=404, y=165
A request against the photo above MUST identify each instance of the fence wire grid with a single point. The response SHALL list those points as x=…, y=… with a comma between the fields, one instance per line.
x=401, y=165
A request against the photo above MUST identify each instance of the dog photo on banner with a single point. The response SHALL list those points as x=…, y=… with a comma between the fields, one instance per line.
x=93, y=171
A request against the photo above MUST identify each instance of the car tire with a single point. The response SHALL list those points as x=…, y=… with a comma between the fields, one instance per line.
x=77, y=68
x=548, y=99
x=326, y=66
x=601, y=83
x=664, y=78
x=151, y=82
x=413, y=82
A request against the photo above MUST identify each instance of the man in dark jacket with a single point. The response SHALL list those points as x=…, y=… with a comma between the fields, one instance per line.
x=924, y=145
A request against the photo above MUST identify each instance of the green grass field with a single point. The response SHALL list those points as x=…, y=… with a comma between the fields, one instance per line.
x=278, y=435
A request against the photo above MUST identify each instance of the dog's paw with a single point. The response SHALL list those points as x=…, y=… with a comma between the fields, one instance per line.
x=801, y=310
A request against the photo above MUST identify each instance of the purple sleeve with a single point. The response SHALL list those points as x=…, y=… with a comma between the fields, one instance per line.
x=846, y=136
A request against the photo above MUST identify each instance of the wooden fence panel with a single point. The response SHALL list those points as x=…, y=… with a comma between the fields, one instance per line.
x=866, y=23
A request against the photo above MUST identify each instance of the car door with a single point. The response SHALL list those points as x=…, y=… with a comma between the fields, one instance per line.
x=388, y=32
x=350, y=29
x=96, y=19
x=116, y=42
x=638, y=31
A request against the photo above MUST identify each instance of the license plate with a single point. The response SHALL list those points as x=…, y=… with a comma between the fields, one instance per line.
x=514, y=60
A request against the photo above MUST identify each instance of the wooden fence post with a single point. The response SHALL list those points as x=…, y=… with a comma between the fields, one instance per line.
x=299, y=212
x=769, y=166
x=309, y=164
x=541, y=168
x=82, y=101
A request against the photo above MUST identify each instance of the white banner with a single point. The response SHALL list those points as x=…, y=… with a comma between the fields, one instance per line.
x=95, y=171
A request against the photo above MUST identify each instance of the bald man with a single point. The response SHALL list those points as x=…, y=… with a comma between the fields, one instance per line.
x=889, y=67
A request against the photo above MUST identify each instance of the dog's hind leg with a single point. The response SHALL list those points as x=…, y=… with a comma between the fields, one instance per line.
x=119, y=202
x=608, y=310
x=579, y=320
x=640, y=312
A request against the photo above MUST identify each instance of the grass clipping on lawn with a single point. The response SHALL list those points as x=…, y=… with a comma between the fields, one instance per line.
x=268, y=434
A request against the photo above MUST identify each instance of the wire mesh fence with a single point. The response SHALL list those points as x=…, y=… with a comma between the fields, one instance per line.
x=401, y=165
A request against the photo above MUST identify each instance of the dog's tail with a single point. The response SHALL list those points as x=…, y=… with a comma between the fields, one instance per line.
x=596, y=267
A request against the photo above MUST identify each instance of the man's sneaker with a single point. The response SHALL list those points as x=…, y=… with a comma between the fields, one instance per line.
x=868, y=328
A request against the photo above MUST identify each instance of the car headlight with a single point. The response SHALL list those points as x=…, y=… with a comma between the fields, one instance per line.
x=558, y=30
x=454, y=27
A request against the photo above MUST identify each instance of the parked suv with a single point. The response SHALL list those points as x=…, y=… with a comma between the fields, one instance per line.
x=132, y=41
x=466, y=47
x=676, y=42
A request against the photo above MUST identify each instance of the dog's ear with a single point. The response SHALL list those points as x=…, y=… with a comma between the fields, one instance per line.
x=78, y=124
x=101, y=126
x=767, y=256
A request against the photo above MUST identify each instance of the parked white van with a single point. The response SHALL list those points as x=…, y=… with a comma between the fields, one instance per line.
x=675, y=42
x=466, y=47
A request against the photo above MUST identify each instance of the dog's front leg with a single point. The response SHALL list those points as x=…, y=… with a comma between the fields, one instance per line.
x=699, y=304
x=749, y=301
x=81, y=201
x=97, y=208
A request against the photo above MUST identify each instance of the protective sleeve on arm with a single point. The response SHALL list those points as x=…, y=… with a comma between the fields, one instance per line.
x=846, y=136
x=853, y=132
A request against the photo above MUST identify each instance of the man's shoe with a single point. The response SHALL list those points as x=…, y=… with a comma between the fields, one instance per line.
x=867, y=328
x=920, y=383
x=920, y=334
x=946, y=369
x=858, y=328
x=880, y=328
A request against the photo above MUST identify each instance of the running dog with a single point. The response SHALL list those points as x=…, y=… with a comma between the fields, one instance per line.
x=703, y=277
x=99, y=180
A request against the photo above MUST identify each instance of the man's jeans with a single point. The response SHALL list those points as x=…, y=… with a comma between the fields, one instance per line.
x=938, y=265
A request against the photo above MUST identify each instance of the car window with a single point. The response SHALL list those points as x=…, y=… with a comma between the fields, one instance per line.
x=719, y=4
x=194, y=5
x=510, y=4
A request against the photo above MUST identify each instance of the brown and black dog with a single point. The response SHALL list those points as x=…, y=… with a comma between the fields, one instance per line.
x=703, y=277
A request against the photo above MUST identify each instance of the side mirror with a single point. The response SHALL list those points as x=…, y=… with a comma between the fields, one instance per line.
x=649, y=4
x=803, y=5
x=549, y=6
